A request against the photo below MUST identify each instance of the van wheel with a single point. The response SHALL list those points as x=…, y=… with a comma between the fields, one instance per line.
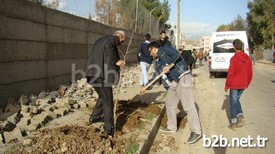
x=213, y=74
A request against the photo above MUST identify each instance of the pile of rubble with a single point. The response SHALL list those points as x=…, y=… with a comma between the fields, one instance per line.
x=36, y=111
x=33, y=112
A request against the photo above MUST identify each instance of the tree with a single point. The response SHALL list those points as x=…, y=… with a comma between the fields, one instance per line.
x=239, y=24
x=162, y=10
x=122, y=13
x=261, y=22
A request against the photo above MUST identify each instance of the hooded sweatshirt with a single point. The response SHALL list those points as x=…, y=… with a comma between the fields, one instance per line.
x=240, y=71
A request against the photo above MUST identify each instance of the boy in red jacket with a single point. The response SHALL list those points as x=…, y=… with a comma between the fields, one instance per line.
x=238, y=78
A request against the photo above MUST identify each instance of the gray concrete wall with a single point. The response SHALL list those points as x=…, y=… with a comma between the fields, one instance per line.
x=38, y=47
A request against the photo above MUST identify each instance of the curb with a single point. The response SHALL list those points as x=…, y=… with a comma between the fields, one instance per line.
x=153, y=133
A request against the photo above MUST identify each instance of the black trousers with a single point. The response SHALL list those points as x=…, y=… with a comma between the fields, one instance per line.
x=104, y=106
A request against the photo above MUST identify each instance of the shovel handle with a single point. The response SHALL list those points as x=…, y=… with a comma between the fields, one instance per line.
x=157, y=77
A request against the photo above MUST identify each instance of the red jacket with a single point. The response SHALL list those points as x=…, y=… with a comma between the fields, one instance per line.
x=240, y=72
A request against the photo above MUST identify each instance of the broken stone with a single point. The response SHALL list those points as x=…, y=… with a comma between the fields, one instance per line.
x=33, y=127
x=1, y=140
x=23, y=123
x=25, y=109
x=75, y=106
x=81, y=83
x=51, y=114
x=23, y=100
x=14, y=118
x=90, y=103
x=27, y=115
x=33, y=109
x=82, y=104
x=54, y=94
x=95, y=95
x=49, y=108
x=61, y=111
x=13, y=135
x=61, y=102
x=43, y=101
x=27, y=142
x=42, y=94
x=62, y=90
x=72, y=101
x=68, y=107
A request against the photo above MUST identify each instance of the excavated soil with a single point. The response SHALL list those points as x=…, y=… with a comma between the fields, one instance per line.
x=131, y=118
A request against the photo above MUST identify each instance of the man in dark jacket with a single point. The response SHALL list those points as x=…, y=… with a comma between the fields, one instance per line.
x=187, y=56
x=145, y=59
x=102, y=73
x=238, y=78
x=163, y=39
x=180, y=89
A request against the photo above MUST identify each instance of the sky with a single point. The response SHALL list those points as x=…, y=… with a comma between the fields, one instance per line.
x=198, y=17
x=202, y=17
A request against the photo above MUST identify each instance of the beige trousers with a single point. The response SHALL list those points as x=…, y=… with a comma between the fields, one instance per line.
x=182, y=92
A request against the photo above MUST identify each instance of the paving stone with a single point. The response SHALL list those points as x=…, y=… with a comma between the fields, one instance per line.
x=13, y=135
x=22, y=124
x=82, y=104
x=1, y=140
x=32, y=127
x=43, y=101
x=13, y=119
x=72, y=101
x=23, y=100
x=76, y=106
x=68, y=107
x=54, y=94
x=51, y=114
x=90, y=103
x=34, y=109
x=61, y=102
x=27, y=115
x=42, y=94
x=27, y=142
x=25, y=108
x=61, y=111
x=49, y=108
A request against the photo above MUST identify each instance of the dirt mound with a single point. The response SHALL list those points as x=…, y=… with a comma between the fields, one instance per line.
x=73, y=139
x=131, y=118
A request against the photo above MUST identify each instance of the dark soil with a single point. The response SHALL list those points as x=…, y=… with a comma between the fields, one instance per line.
x=131, y=116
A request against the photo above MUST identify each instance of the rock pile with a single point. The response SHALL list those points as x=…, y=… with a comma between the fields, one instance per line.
x=34, y=112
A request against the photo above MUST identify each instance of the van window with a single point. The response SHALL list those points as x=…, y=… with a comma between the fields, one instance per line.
x=224, y=46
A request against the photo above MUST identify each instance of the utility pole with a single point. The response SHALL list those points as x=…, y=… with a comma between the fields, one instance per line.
x=178, y=27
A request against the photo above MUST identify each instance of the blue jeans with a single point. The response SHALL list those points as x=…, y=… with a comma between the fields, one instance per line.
x=144, y=73
x=235, y=105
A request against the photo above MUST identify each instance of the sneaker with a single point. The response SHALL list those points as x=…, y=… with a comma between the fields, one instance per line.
x=240, y=121
x=193, y=138
x=166, y=130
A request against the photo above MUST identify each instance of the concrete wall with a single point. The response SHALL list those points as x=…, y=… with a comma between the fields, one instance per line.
x=38, y=47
